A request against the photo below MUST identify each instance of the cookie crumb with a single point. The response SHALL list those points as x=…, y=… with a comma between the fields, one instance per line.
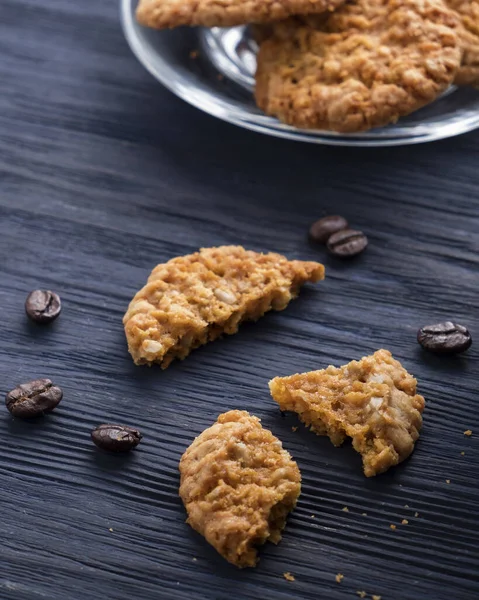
x=312, y=516
x=463, y=453
x=111, y=529
x=374, y=597
x=194, y=54
x=364, y=514
x=345, y=509
x=468, y=432
x=294, y=429
x=404, y=522
x=339, y=577
x=160, y=14
x=448, y=481
x=416, y=514
x=288, y=576
x=194, y=559
x=392, y=526
x=406, y=506
x=361, y=594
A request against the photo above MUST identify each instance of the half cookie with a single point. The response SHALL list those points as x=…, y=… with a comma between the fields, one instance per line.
x=191, y=300
x=373, y=401
x=161, y=14
x=238, y=486
x=363, y=66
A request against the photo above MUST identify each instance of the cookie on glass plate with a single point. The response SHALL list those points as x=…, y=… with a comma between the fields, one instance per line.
x=365, y=65
x=163, y=14
x=468, y=33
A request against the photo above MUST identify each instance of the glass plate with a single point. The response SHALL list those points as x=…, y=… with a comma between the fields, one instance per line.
x=213, y=69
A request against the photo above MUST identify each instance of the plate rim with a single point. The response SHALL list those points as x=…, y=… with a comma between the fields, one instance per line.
x=129, y=27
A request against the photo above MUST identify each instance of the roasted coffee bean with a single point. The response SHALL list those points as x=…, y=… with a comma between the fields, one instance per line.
x=444, y=338
x=116, y=438
x=320, y=231
x=43, y=306
x=347, y=243
x=33, y=399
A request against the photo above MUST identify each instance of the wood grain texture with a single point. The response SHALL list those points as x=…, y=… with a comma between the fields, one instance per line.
x=103, y=174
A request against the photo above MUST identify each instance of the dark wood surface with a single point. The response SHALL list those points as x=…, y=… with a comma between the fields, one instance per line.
x=103, y=174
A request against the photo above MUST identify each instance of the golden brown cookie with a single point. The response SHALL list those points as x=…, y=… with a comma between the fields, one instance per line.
x=191, y=300
x=364, y=66
x=238, y=485
x=468, y=33
x=373, y=401
x=162, y=14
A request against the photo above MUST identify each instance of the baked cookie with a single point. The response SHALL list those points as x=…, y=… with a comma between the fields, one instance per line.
x=373, y=401
x=363, y=66
x=191, y=300
x=238, y=485
x=162, y=14
x=468, y=33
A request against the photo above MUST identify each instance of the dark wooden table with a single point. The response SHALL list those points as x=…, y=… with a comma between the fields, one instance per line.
x=103, y=174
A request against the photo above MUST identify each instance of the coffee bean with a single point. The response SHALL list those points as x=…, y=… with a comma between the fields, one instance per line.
x=347, y=243
x=116, y=438
x=43, y=306
x=320, y=231
x=444, y=338
x=33, y=399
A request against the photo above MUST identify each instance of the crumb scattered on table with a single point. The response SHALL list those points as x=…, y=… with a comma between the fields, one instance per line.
x=404, y=522
x=345, y=509
x=288, y=576
x=194, y=54
x=448, y=481
x=416, y=514
x=468, y=432
x=364, y=514
x=194, y=559
x=312, y=516
x=294, y=429
x=339, y=577
x=406, y=506
x=361, y=593
x=111, y=529
x=392, y=526
x=374, y=597
x=463, y=453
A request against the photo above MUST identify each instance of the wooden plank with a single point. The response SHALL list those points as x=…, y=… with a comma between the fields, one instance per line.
x=102, y=175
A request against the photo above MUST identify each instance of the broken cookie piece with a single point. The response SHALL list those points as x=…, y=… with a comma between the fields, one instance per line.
x=373, y=401
x=191, y=300
x=238, y=485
